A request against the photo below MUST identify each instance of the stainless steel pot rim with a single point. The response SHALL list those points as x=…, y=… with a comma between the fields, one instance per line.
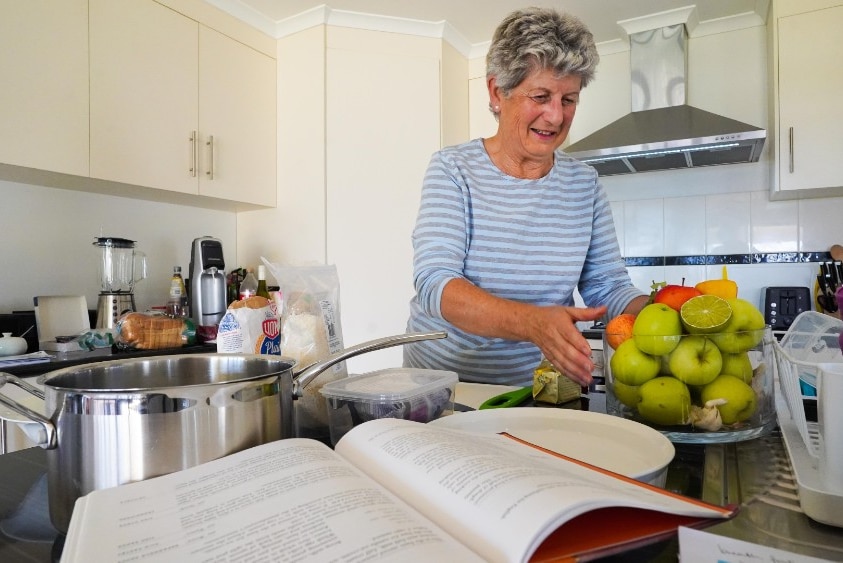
x=267, y=366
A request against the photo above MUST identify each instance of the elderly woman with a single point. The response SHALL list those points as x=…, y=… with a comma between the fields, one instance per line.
x=510, y=226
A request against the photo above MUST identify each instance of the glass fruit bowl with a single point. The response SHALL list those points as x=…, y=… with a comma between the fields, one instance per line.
x=711, y=388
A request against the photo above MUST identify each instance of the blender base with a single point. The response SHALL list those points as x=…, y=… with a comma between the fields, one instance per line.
x=110, y=306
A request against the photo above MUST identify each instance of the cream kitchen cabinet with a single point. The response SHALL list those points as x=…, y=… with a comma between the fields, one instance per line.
x=44, y=97
x=178, y=106
x=808, y=50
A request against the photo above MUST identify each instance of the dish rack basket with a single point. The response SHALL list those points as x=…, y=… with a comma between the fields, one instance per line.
x=810, y=342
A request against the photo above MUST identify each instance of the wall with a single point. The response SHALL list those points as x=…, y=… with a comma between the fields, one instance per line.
x=360, y=119
x=722, y=211
x=48, y=235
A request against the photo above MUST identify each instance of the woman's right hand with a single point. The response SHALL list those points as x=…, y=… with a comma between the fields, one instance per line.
x=554, y=331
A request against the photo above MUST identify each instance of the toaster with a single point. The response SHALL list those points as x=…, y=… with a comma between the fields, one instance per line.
x=783, y=304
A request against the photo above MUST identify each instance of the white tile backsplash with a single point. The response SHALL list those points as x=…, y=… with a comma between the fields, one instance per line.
x=820, y=223
x=644, y=276
x=743, y=223
x=774, y=225
x=727, y=223
x=644, y=227
x=684, y=226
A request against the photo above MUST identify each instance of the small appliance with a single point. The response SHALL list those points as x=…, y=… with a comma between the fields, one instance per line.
x=207, y=286
x=783, y=304
x=121, y=266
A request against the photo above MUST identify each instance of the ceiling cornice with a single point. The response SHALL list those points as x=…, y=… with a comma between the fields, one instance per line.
x=324, y=15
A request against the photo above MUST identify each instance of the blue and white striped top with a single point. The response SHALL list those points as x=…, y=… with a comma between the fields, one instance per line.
x=526, y=240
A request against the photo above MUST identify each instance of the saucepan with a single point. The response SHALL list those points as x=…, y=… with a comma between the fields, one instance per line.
x=120, y=421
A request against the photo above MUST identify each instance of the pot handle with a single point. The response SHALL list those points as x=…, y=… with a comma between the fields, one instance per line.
x=45, y=436
x=309, y=373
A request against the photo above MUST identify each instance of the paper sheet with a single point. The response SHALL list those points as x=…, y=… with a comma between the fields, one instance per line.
x=696, y=546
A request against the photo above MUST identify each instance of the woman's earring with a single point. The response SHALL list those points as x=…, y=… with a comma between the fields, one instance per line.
x=497, y=108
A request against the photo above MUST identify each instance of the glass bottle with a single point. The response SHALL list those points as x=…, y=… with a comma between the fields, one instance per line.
x=249, y=285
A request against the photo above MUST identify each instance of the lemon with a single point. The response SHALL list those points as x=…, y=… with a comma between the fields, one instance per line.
x=705, y=314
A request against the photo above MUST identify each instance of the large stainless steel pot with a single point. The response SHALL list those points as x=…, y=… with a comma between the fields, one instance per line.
x=120, y=421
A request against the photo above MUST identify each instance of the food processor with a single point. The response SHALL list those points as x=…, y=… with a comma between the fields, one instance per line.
x=120, y=267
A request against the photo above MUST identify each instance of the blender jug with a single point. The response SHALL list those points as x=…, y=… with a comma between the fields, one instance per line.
x=120, y=267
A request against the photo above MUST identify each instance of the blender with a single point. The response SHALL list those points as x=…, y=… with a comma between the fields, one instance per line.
x=120, y=267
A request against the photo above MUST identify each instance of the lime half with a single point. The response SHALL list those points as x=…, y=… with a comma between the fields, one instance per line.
x=705, y=314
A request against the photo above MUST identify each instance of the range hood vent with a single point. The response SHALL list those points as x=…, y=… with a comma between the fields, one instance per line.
x=663, y=132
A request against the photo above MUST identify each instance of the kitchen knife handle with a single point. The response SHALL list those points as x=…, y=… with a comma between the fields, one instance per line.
x=790, y=144
x=210, y=144
x=193, y=154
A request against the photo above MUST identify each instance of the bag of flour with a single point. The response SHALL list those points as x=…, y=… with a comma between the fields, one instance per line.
x=311, y=330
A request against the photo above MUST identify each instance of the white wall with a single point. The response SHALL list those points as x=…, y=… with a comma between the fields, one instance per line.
x=359, y=116
x=48, y=235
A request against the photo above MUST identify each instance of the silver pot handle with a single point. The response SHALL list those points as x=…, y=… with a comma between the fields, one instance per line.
x=309, y=373
x=45, y=436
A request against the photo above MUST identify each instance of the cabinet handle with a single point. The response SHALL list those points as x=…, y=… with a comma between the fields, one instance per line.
x=193, y=152
x=210, y=144
x=790, y=143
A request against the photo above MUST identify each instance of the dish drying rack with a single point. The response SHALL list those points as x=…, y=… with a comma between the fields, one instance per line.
x=812, y=340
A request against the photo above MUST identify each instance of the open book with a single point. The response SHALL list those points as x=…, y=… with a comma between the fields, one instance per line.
x=392, y=490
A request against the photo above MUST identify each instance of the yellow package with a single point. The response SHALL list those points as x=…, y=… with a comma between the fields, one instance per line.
x=550, y=386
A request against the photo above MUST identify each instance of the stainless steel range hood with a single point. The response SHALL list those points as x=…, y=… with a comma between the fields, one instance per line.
x=663, y=132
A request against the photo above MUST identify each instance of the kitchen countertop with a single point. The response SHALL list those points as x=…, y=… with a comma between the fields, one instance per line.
x=718, y=473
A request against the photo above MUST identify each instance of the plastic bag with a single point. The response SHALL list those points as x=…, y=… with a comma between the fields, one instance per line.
x=250, y=326
x=142, y=331
x=311, y=330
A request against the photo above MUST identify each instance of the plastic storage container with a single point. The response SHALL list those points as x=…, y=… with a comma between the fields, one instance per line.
x=412, y=394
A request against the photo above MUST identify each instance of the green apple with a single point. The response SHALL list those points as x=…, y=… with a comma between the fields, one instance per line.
x=744, y=330
x=740, y=398
x=631, y=366
x=665, y=400
x=695, y=360
x=738, y=365
x=626, y=394
x=657, y=329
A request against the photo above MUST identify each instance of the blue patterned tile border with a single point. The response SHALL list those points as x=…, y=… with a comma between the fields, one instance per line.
x=717, y=259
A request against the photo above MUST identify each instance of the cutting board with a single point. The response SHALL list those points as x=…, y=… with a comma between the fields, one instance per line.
x=60, y=315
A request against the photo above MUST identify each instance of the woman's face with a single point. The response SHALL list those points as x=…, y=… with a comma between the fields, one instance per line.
x=535, y=118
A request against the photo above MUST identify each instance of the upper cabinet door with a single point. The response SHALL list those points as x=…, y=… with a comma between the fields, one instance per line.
x=237, y=108
x=44, y=93
x=144, y=84
x=810, y=52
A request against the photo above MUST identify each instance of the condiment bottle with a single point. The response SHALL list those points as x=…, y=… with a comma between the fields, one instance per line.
x=249, y=285
x=262, y=289
x=176, y=304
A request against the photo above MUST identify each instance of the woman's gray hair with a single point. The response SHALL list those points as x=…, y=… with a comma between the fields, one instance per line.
x=535, y=39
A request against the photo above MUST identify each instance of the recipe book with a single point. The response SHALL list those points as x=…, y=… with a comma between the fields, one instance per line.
x=392, y=490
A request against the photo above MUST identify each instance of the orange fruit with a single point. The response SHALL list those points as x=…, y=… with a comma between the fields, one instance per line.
x=619, y=329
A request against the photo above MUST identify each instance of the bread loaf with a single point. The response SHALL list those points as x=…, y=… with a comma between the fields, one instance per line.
x=153, y=332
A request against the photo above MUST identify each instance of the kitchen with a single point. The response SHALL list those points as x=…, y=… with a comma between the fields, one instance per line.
x=722, y=211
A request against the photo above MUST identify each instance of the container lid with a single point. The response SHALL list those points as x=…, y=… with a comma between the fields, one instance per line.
x=114, y=242
x=393, y=384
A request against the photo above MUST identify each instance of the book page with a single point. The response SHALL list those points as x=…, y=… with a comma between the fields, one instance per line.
x=498, y=497
x=289, y=500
